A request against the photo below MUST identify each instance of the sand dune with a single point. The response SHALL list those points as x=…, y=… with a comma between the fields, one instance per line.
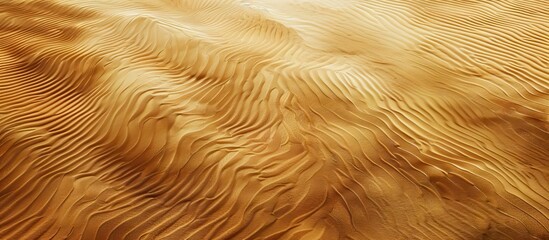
x=264, y=119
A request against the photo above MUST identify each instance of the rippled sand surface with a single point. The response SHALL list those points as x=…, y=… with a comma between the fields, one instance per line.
x=274, y=119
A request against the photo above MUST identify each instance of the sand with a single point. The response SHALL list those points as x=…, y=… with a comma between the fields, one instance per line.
x=274, y=119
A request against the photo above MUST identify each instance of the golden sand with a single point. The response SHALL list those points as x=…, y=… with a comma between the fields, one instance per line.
x=274, y=119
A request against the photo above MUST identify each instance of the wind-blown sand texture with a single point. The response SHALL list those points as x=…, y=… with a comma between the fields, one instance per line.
x=274, y=119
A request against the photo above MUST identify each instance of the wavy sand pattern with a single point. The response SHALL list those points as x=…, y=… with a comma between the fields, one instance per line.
x=264, y=119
